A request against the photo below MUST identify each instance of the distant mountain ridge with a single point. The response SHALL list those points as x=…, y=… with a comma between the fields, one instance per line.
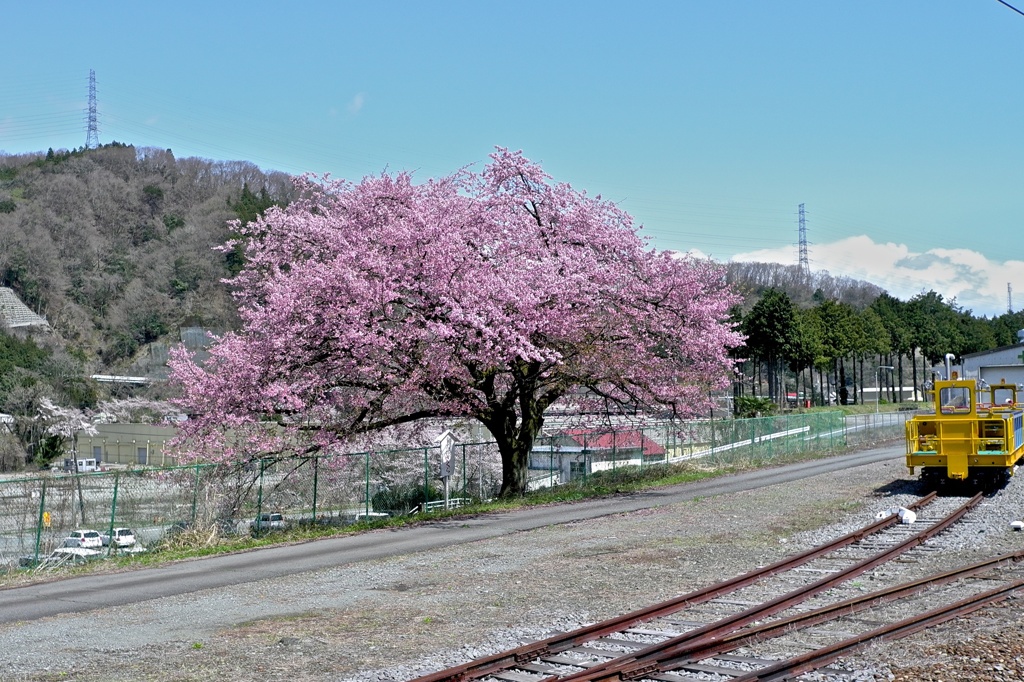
x=805, y=289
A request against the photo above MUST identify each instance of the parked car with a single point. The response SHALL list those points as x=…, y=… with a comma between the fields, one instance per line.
x=268, y=521
x=63, y=556
x=122, y=537
x=88, y=539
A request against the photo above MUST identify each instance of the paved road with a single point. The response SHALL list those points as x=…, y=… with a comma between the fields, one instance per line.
x=78, y=594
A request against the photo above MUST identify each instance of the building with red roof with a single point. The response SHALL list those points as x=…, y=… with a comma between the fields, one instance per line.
x=573, y=453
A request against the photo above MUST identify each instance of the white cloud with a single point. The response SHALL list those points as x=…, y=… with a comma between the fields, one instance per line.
x=976, y=282
x=692, y=253
x=356, y=104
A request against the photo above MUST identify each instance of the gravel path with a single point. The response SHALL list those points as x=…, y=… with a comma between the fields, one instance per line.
x=397, y=618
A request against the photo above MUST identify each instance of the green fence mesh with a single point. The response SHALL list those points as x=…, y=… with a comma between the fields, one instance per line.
x=38, y=513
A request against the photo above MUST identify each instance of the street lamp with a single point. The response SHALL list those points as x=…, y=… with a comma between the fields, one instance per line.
x=878, y=383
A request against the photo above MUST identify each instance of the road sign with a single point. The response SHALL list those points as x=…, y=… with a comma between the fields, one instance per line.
x=446, y=441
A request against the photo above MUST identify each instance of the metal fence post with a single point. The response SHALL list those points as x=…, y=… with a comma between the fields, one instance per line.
x=316, y=477
x=615, y=449
x=426, y=479
x=195, y=494
x=42, y=515
x=465, y=473
x=259, y=498
x=586, y=458
x=366, y=500
x=823, y=431
x=551, y=464
x=587, y=463
x=113, y=513
x=643, y=438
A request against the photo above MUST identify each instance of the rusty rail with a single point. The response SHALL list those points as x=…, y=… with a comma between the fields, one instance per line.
x=649, y=659
x=708, y=648
x=821, y=657
x=486, y=665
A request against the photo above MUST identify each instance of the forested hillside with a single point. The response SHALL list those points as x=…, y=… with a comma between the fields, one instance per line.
x=805, y=289
x=941, y=325
x=821, y=336
x=114, y=246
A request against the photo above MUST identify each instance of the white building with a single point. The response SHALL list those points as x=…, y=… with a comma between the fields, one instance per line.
x=996, y=365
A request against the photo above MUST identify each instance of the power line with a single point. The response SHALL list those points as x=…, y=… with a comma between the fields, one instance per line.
x=1010, y=6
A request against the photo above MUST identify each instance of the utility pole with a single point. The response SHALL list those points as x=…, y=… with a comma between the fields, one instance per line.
x=92, y=136
x=1009, y=298
x=805, y=267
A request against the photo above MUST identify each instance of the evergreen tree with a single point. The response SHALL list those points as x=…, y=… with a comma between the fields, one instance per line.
x=771, y=328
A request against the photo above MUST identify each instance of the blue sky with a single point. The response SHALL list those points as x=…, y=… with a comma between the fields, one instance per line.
x=896, y=124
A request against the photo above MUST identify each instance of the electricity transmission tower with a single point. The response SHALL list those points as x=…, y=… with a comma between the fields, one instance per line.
x=803, y=263
x=92, y=136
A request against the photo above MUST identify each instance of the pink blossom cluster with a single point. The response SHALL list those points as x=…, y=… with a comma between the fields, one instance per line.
x=486, y=295
x=67, y=422
x=64, y=422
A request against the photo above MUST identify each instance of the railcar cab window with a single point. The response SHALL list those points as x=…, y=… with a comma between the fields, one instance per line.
x=955, y=400
x=1004, y=396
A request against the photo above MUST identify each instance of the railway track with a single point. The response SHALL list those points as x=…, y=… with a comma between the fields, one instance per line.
x=802, y=606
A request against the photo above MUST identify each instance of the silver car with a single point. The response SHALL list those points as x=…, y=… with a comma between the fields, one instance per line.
x=88, y=539
x=122, y=537
x=268, y=521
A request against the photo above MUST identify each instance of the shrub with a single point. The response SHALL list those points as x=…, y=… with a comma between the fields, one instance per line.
x=753, y=406
x=402, y=499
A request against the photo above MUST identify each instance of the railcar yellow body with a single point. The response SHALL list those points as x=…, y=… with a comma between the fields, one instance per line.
x=976, y=431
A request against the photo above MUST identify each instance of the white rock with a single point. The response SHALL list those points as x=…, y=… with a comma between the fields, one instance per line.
x=906, y=516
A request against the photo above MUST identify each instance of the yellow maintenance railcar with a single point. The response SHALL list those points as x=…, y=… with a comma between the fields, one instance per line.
x=976, y=432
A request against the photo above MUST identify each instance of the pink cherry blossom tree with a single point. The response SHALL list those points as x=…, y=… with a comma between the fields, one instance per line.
x=486, y=295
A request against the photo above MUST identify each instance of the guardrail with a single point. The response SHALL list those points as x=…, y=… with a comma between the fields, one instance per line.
x=440, y=505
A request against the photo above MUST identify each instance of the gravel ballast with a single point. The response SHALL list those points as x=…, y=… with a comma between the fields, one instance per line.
x=402, y=617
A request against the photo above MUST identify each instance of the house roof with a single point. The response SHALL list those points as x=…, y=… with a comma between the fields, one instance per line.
x=14, y=313
x=618, y=440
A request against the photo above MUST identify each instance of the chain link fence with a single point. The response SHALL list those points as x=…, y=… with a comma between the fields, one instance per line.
x=37, y=514
x=868, y=429
x=574, y=454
